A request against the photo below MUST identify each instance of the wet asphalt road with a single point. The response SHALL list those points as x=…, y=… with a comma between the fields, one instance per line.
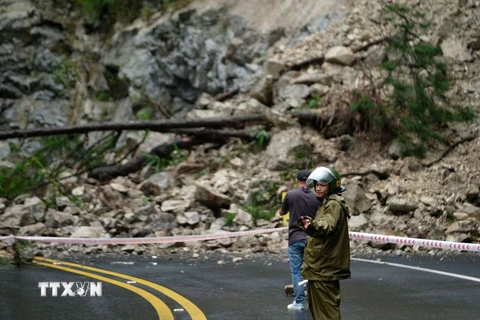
x=251, y=289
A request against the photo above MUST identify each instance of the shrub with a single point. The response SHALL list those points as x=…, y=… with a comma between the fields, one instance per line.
x=110, y=11
x=410, y=102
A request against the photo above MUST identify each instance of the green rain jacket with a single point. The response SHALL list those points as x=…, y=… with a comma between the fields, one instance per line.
x=327, y=254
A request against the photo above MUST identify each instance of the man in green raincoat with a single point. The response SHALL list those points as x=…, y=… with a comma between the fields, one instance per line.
x=326, y=258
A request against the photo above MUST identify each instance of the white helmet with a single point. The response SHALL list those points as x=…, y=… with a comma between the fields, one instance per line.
x=326, y=176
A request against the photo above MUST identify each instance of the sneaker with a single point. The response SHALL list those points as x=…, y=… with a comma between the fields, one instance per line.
x=295, y=306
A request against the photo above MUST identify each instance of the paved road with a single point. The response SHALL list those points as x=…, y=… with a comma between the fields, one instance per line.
x=251, y=289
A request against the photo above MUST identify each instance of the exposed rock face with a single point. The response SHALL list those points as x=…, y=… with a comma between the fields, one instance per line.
x=171, y=58
x=191, y=52
x=182, y=60
x=28, y=62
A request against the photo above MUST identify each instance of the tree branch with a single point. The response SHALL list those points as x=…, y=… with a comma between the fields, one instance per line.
x=382, y=175
x=446, y=152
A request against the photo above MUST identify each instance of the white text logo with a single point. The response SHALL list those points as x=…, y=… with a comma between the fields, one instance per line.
x=70, y=289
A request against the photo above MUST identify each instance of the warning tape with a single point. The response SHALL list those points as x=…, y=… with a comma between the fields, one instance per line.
x=437, y=244
x=416, y=242
x=145, y=240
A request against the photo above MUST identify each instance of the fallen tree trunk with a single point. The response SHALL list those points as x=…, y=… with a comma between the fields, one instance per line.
x=197, y=127
x=154, y=125
x=382, y=175
x=302, y=65
x=329, y=123
x=199, y=131
x=333, y=123
x=214, y=134
x=106, y=173
x=226, y=95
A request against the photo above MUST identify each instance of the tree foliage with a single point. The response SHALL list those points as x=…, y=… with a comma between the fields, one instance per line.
x=410, y=102
x=111, y=11
x=96, y=11
x=47, y=164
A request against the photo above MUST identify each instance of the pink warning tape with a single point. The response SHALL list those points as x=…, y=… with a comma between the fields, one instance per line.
x=460, y=246
x=146, y=240
x=416, y=242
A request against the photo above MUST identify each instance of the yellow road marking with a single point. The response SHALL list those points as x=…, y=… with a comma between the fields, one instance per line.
x=192, y=309
x=162, y=309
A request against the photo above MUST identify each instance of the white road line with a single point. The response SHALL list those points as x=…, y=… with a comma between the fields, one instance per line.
x=419, y=269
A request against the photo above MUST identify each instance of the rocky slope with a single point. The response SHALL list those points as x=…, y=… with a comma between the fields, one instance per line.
x=209, y=191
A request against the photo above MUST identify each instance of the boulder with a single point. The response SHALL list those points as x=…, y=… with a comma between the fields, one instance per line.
x=340, y=55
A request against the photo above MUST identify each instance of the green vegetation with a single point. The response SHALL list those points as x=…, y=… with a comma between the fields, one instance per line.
x=34, y=170
x=176, y=4
x=229, y=219
x=145, y=107
x=290, y=173
x=303, y=159
x=147, y=10
x=159, y=164
x=264, y=201
x=312, y=103
x=66, y=72
x=202, y=173
x=260, y=135
x=220, y=161
x=96, y=11
x=259, y=213
x=148, y=199
x=155, y=162
x=51, y=202
x=145, y=113
x=410, y=102
x=19, y=247
x=55, y=156
x=104, y=96
x=111, y=11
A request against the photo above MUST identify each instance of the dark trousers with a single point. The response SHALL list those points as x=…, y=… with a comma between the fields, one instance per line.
x=324, y=299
